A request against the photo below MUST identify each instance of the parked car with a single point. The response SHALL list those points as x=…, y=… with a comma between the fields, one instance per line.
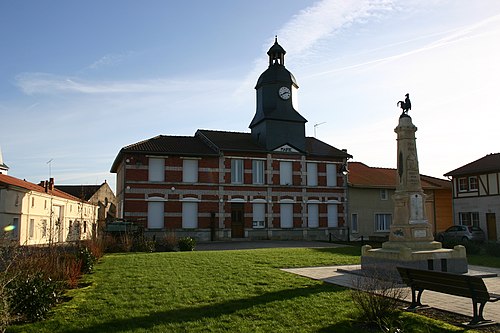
x=462, y=233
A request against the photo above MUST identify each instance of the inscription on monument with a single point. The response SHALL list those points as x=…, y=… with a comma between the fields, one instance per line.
x=419, y=233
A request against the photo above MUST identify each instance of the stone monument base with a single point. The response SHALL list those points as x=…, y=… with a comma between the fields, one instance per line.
x=419, y=255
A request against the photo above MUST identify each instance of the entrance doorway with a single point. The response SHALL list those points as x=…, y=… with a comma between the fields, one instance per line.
x=237, y=221
x=491, y=225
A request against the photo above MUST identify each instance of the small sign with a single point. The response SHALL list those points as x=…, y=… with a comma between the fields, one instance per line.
x=420, y=233
x=286, y=149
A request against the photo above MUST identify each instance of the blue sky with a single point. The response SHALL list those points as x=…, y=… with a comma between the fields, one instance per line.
x=80, y=80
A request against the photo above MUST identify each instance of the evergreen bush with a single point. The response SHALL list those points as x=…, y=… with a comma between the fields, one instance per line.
x=186, y=244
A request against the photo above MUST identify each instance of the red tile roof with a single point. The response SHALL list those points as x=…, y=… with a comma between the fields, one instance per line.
x=6, y=180
x=361, y=175
x=488, y=163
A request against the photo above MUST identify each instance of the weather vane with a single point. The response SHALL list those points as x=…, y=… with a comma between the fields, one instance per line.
x=405, y=105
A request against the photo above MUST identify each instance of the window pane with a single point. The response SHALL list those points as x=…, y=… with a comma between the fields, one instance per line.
x=312, y=174
x=156, y=169
x=286, y=173
x=354, y=222
x=190, y=171
x=331, y=175
x=189, y=215
x=237, y=171
x=286, y=215
x=313, y=215
x=258, y=172
x=472, y=183
x=462, y=184
x=383, y=222
x=155, y=214
x=333, y=218
x=259, y=215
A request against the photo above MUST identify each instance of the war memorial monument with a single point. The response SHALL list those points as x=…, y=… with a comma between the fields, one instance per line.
x=411, y=240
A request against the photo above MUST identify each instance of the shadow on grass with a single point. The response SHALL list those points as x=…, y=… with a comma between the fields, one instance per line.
x=193, y=314
x=344, y=250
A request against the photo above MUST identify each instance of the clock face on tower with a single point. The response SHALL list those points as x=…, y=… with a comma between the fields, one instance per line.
x=284, y=93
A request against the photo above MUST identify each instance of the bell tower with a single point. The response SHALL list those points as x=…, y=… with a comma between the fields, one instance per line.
x=276, y=122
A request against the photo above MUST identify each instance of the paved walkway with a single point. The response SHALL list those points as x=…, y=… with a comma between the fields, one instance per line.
x=262, y=244
x=436, y=300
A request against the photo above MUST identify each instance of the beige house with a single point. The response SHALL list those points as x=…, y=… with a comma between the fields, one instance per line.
x=32, y=214
x=370, y=204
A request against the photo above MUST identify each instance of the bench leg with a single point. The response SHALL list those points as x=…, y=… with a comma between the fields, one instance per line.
x=478, y=318
x=415, y=299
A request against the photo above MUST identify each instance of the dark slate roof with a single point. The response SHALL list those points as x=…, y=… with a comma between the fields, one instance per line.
x=320, y=148
x=224, y=140
x=488, y=163
x=210, y=143
x=166, y=144
x=80, y=191
x=243, y=142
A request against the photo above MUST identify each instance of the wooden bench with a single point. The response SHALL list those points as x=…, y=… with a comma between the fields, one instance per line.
x=472, y=287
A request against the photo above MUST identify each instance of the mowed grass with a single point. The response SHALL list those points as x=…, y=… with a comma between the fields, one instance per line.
x=214, y=291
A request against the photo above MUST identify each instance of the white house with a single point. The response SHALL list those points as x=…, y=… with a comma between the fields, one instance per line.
x=32, y=214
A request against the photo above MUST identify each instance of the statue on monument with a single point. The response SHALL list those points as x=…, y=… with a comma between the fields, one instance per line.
x=405, y=105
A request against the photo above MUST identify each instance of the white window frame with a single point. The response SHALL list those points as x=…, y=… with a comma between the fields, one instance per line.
x=286, y=215
x=354, y=222
x=312, y=174
x=258, y=172
x=156, y=213
x=312, y=215
x=156, y=169
x=286, y=173
x=462, y=184
x=473, y=183
x=333, y=215
x=383, y=222
x=189, y=171
x=190, y=214
x=469, y=218
x=237, y=171
x=258, y=215
x=331, y=175
x=31, y=229
x=384, y=194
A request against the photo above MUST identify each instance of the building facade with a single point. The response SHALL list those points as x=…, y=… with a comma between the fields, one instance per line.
x=271, y=183
x=476, y=195
x=32, y=214
x=371, y=206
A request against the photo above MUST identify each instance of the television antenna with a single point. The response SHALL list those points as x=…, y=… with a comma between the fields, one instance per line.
x=316, y=125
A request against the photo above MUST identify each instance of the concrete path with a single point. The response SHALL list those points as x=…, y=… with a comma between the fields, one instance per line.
x=436, y=300
x=263, y=244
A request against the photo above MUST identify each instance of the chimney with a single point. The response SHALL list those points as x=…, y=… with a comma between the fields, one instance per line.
x=51, y=184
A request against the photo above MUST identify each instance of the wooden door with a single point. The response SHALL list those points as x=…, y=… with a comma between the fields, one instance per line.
x=237, y=221
x=491, y=224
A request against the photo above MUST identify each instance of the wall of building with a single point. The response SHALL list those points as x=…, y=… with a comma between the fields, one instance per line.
x=215, y=194
x=43, y=218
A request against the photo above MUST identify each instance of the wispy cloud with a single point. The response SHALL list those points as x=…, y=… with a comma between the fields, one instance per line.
x=108, y=60
x=44, y=83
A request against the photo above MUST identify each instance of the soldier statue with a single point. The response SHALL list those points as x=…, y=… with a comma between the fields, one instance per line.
x=406, y=105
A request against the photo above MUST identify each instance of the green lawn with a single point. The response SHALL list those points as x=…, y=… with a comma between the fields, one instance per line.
x=214, y=291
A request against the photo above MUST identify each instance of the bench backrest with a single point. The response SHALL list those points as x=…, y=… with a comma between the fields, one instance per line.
x=449, y=283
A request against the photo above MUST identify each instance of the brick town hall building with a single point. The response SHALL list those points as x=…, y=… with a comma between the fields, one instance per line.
x=271, y=183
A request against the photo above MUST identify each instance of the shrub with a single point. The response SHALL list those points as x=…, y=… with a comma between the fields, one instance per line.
x=377, y=296
x=87, y=259
x=471, y=247
x=33, y=295
x=493, y=249
x=143, y=244
x=169, y=242
x=186, y=244
x=72, y=271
